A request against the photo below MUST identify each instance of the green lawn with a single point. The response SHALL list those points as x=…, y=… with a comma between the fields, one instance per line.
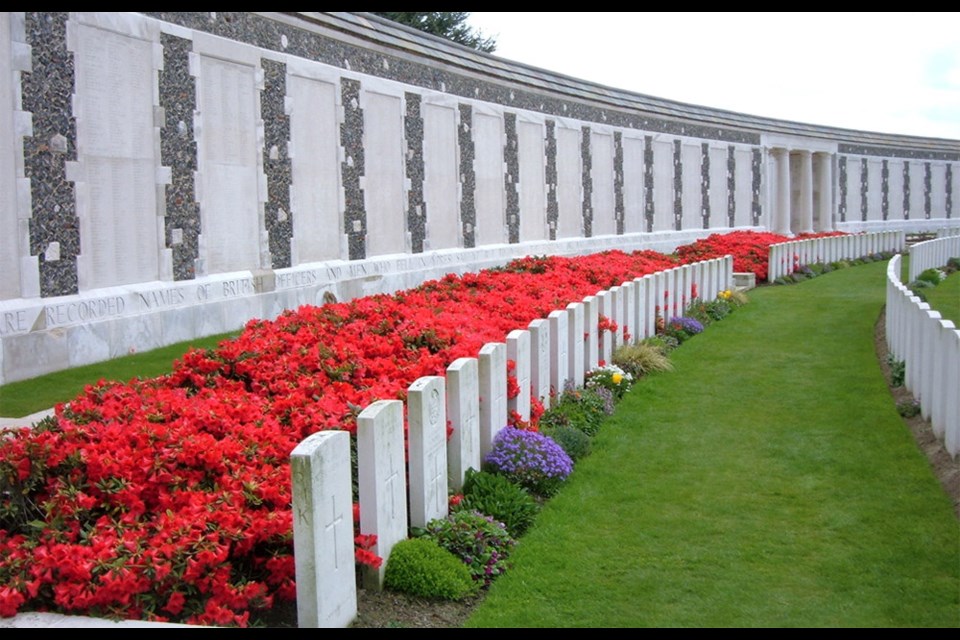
x=36, y=394
x=766, y=482
x=945, y=298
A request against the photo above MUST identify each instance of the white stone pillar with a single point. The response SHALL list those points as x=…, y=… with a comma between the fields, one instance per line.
x=782, y=215
x=824, y=169
x=323, y=531
x=806, y=192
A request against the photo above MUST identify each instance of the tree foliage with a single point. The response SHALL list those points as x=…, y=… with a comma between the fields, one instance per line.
x=451, y=25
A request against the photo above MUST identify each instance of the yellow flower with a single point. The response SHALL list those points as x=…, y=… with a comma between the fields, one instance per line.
x=617, y=378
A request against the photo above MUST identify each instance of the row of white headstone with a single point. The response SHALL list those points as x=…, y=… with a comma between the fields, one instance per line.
x=929, y=347
x=785, y=257
x=932, y=254
x=548, y=354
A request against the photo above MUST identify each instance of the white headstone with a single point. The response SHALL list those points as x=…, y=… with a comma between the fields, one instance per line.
x=605, y=299
x=540, y=360
x=640, y=308
x=323, y=531
x=492, y=367
x=488, y=142
x=383, y=184
x=314, y=143
x=591, y=306
x=929, y=330
x=941, y=376
x=629, y=312
x=383, y=481
x=518, y=350
x=617, y=309
x=440, y=179
x=427, y=429
x=463, y=411
x=559, y=342
x=952, y=413
x=576, y=352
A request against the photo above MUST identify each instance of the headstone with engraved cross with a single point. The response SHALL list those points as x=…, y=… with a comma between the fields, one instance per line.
x=323, y=531
x=427, y=426
x=383, y=481
x=518, y=350
x=540, y=360
x=492, y=367
x=463, y=411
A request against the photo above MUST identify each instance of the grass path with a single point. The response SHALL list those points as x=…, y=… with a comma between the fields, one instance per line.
x=767, y=482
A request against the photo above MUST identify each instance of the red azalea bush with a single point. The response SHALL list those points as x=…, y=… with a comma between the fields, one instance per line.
x=169, y=499
x=750, y=249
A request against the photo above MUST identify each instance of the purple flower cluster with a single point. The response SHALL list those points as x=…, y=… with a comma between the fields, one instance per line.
x=531, y=459
x=689, y=325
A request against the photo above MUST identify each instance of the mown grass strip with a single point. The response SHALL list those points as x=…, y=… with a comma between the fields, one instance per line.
x=36, y=394
x=767, y=482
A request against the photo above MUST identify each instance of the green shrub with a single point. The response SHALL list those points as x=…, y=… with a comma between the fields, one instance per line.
x=500, y=499
x=421, y=567
x=482, y=543
x=953, y=264
x=641, y=358
x=582, y=409
x=908, y=408
x=933, y=276
x=897, y=371
x=663, y=344
x=574, y=441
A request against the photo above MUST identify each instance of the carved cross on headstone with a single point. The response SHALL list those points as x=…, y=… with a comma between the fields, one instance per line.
x=336, y=519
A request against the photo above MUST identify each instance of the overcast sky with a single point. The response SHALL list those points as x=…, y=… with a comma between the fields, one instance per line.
x=893, y=73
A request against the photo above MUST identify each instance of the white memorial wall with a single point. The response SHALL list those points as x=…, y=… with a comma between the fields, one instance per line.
x=228, y=188
x=116, y=181
x=10, y=237
x=569, y=183
x=441, y=182
x=488, y=139
x=532, y=184
x=127, y=297
x=743, y=172
x=691, y=157
x=895, y=189
x=874, y=189
x=601, y=171
x=383, y=183
x=314, y=137
x=633, y=185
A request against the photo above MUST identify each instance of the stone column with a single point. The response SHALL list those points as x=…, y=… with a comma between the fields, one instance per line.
x=806, y=192
x=824, y=170
x=782, y=214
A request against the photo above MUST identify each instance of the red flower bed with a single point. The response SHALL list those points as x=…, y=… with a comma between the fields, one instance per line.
x=169, y=499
